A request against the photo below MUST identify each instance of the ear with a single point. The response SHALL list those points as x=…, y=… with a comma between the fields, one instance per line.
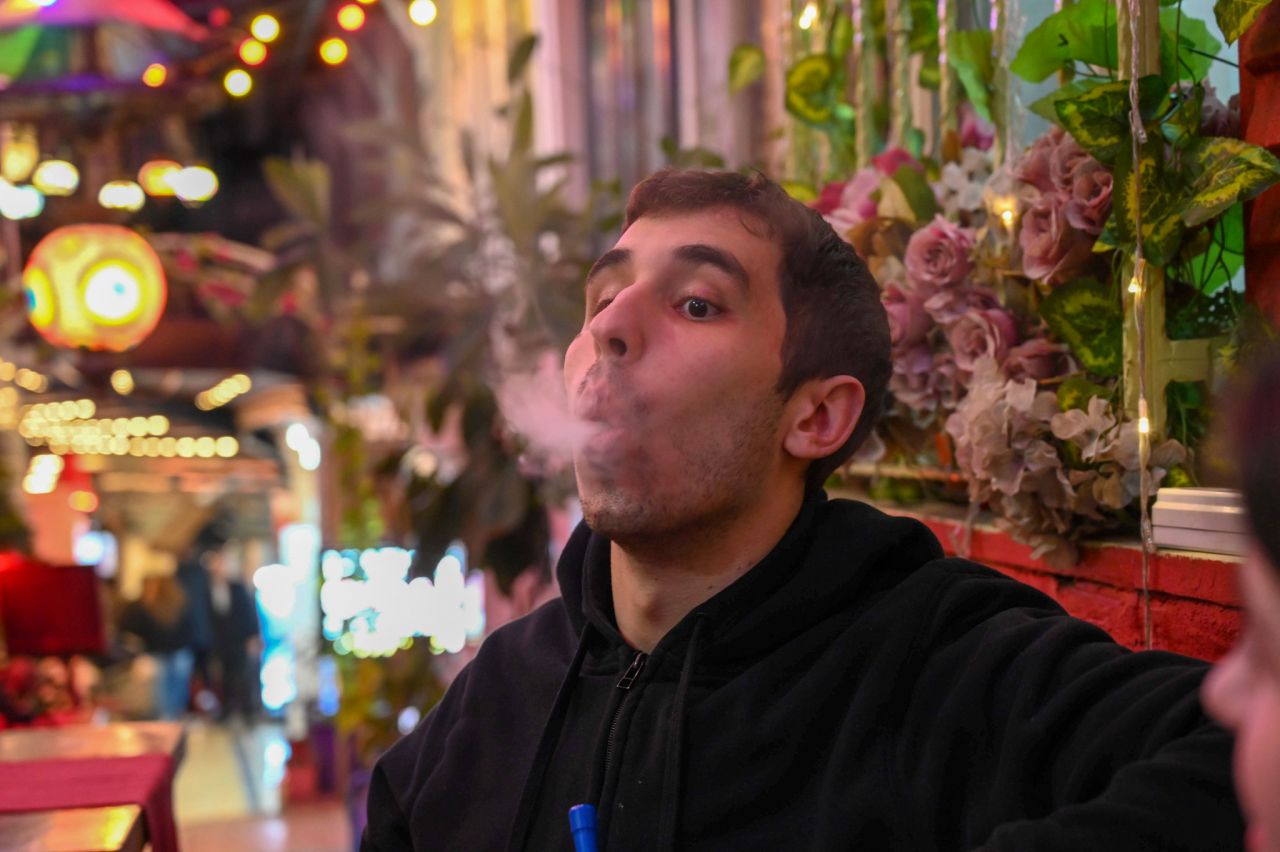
x=823, y=414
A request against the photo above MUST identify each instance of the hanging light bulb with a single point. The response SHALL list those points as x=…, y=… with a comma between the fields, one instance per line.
x=20, y=202
x=238, y=83
x=155, y=177
x=253, y=52
x=265, y=28
x=423, y=12
x=333, y=51
x=194, y=184
x=122, y=195
x=351, y=17
x=155, y=75
x=56, y=177
x=19, y=151
x=809, y=16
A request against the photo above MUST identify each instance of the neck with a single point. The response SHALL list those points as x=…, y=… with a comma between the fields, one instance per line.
x=657, y=583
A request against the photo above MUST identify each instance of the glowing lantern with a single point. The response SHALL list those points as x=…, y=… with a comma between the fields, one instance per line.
x=56, y=177
x=95, y=287
x=238, y=83
x=194, y=184
x=19, y=151
x=333, y=51
x=253, y=52
x=121, y=195
x=156, y=176
x=20, y=202
x=155, y=75
x=422, y=12
x=351, y=17
x=265, y=28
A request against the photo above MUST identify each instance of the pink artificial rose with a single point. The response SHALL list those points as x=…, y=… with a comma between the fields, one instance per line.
x=1037, y=359
x=893, y=159
x=938, y=255
x=1052, y=251
x=947, y=306
x=974, y=132
x=1089, y=204
x=985, y=333
x=1065, y=160
x=855, y=204
x=908, y=322
x=1033, y=166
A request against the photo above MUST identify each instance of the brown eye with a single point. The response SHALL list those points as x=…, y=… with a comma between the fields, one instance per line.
x=698, y=309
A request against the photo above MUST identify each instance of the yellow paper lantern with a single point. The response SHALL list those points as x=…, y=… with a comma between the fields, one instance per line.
x=156, y=176
x=95, y=287
x=19, y=151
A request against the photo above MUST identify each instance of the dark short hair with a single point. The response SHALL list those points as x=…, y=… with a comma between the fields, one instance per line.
x=836, y=324
x=1256, y=429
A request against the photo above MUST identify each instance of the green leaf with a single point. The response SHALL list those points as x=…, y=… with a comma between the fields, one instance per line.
x=1076, y=391
x=746, y=66
x=1192, y=35
x=520, y=55
x=1098, y=119
x=1182, y=127
x=969, y=54
x=301, y=187
x=1213, y=268
x=1236, y=16
x=840, y=36
x=1086, y=315
x=522, y=130
x=1161, y=194
x=811, y=89
x=919, y=195
x=1046, y=107
x=1226, y=171
x=1082, y=32
x=800, y=191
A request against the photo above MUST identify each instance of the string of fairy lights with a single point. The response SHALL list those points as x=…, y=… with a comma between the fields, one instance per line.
x=333, y=49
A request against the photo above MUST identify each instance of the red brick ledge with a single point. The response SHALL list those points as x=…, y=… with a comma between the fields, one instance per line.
x=1195, y=605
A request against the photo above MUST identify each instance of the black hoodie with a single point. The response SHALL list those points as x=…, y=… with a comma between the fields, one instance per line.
x=853, y=690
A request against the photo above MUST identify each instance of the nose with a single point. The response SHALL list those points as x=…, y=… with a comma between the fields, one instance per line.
x=618, y=330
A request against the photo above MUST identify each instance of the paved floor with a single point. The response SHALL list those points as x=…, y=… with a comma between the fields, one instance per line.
x=227, y=796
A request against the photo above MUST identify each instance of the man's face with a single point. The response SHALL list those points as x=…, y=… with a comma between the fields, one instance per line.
x=677, y=361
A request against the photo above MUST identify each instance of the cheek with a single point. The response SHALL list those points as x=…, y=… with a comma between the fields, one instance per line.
x=577, y=358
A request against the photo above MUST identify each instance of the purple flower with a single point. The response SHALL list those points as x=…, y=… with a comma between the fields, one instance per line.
x=1089, y=204
x=938, y=255
x=1037, y=359
x=908, y=321
x=983, y=333
x=1052, y=251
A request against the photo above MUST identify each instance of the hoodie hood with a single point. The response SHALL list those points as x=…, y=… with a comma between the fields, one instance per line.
x=832, y=554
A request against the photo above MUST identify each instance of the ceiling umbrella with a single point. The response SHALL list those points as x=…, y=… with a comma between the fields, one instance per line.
x=90, y=45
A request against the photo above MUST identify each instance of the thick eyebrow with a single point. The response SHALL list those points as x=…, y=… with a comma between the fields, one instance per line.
x=613, y=257
x=697, y=254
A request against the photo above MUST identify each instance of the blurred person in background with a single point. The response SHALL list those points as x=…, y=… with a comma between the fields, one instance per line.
x=1243, y=690
x=194, y=578
x=235, y=638
x=158, y=621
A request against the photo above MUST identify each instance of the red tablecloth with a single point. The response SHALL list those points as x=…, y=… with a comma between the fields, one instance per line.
x=56, y=784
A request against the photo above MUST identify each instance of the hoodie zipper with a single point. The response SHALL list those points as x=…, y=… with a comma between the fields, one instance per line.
x=624, y=683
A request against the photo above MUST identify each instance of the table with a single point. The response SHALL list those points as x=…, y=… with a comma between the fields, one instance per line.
x=116, y=828
x=53, y=771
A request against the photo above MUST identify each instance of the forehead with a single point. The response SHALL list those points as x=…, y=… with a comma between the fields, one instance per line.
x=654, y=236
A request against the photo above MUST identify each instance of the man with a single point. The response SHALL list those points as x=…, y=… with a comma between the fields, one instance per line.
x=738, y=662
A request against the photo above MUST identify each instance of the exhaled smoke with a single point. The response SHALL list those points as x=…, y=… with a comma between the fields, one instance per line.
x=535, y=406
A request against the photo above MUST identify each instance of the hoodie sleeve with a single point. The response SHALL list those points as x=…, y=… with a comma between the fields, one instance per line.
x=402, y=770
x=1035, y=730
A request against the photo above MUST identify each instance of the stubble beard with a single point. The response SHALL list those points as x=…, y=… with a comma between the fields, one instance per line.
x=716, y=474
